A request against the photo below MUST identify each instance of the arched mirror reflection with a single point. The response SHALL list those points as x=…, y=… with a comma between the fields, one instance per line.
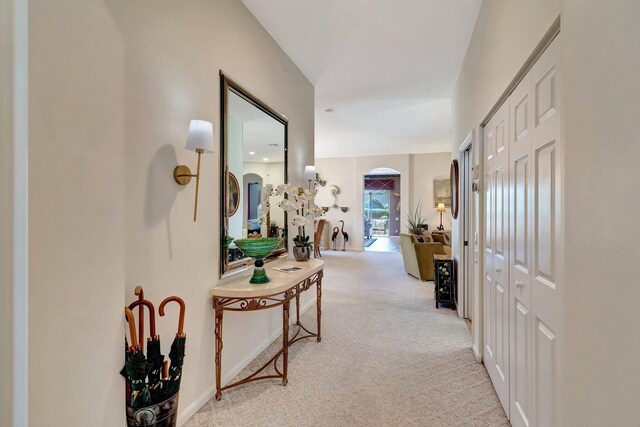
x=253, y=140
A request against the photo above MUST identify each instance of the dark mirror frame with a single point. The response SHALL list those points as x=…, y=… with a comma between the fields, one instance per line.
x=454, y=177
x=229, y=85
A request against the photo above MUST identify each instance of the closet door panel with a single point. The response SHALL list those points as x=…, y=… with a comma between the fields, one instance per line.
x=546, y=286
x=545, y=375
x=521, y=366
x=496, y=252
x=520, y=254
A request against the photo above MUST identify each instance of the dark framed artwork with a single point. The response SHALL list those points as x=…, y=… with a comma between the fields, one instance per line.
x=233, y=194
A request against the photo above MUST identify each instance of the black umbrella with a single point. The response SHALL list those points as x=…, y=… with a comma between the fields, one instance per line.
x=172, y=384
x=154, y=356
x=135, y=369
x=123, y=371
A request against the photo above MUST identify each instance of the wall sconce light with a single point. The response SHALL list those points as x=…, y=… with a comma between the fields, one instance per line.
x=200, y=140
x=310, y=174
x=441, y=210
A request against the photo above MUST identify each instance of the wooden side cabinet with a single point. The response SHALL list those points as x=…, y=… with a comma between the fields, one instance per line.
x=445, y=280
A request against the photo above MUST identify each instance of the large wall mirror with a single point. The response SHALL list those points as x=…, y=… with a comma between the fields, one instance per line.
x=253, y=147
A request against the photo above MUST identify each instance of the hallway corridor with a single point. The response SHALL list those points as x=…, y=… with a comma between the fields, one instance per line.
x=387, y=357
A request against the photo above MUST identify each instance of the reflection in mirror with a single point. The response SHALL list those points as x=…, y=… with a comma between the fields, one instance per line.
x=253, y=143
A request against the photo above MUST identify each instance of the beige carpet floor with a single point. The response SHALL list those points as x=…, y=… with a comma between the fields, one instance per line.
x=387, y=358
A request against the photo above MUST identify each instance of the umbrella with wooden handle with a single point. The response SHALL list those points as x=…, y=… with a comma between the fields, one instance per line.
x=154, y=356
x=135, y=368
x=139, y=292
x=172, y=384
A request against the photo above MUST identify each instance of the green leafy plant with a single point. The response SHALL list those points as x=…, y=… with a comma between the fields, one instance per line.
x=416, y=221
x=302, y=241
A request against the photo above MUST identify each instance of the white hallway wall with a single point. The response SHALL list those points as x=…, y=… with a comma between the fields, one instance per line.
x=417, y=173
x=76, y=213
x=105, y=214
x=173, y=54
x=601, y=174
x=600, y=92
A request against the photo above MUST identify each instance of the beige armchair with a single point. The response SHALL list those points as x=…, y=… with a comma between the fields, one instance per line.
x=418, y=257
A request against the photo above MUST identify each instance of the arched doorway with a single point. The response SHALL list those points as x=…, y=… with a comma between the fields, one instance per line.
x=251, y=189
x=381, y=209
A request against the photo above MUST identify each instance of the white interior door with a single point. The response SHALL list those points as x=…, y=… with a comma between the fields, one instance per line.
x=520, y=131
x=496, y=252
x=546, y=209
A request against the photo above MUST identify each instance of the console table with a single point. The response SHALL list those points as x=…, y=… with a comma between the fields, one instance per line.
x=238, y=294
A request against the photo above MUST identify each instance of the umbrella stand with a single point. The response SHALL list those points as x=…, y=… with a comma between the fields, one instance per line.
x=166, y=381
x=163, y=414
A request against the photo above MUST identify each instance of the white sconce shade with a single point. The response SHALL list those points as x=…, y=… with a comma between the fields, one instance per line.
x=200, y=136
x=309, y=172
x=200, y=140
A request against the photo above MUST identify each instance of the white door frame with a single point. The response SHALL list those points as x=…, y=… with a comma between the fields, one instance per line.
x=465, y=278
x=14, y=80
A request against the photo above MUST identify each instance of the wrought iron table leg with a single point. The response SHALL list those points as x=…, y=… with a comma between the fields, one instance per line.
x=285, y=340
x=298, y=306
x=319, y=307
x=218, y=333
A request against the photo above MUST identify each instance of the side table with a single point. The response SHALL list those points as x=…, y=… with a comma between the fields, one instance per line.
x=239, y=295
x=444, y=280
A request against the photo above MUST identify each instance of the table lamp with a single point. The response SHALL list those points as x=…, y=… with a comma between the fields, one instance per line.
x=441, y=209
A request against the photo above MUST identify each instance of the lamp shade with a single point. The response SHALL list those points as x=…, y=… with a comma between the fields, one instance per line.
x=200, y=136
x=441, y=207
x=310, y=172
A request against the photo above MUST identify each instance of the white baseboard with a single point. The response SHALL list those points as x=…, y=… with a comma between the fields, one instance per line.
x=192, y=409
x=476, y=353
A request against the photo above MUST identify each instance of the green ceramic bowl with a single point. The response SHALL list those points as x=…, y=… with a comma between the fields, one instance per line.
x=226, y=241
x=258, y=248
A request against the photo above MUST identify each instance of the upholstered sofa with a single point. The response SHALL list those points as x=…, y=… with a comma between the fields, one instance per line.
x=418, y=257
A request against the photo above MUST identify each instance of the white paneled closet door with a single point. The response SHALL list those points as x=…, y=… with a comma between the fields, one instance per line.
x=546, y=208
x=496, y=281
x=522, y=239
x=521, y=228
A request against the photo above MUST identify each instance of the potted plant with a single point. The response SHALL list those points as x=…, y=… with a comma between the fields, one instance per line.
x=300, y=206
x=415, y=221
x=302, y=247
